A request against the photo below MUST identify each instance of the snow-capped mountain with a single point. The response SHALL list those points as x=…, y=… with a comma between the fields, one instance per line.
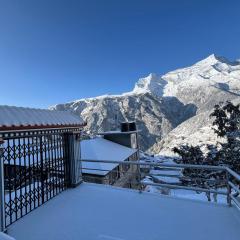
x=196, y=83
x=161, y=103
x=153, y=84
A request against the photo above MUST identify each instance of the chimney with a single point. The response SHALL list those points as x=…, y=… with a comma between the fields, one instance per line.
x=128, y=126
x=127, y=136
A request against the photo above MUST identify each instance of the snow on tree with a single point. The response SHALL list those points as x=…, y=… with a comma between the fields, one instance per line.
x=226, y=124
x=199, y=177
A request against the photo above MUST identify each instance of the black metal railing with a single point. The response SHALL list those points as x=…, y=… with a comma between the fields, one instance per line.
x=35, y=169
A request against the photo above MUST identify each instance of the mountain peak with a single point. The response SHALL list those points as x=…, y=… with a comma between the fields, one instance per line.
x=210, y=60
x=214, y=59
x=153, y=83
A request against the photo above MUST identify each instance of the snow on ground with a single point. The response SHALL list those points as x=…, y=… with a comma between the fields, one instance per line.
x=23, y=196
x=4, y=236
x=153, y=177
x=181, y=193
x=93, y=212
x=164, y=179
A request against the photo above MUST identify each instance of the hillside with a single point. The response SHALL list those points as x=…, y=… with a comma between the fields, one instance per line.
x=166, y=108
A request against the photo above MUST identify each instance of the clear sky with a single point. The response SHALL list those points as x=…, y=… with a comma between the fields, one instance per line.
x=54, y=51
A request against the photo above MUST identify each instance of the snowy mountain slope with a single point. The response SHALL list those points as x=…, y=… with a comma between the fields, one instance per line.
x=153, y=84
x=155, y=117
x=197, y=83
x=194, y=131
x=160, y=103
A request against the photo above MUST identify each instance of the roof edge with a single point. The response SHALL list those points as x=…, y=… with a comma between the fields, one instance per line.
x=36, y=127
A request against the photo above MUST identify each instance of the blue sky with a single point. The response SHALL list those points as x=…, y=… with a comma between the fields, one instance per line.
x=54, y=51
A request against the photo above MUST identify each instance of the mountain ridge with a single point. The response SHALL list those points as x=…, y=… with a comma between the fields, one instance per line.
x=160, y=103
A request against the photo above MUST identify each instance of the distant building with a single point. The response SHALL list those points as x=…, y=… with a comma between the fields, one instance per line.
x=112, y=146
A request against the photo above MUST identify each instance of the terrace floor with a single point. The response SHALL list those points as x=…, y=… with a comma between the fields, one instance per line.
x=98, y=212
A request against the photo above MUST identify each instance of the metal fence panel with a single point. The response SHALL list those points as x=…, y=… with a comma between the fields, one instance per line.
x=35, y=169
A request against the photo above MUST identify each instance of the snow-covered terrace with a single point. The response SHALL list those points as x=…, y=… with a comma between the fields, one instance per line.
x=93, y=212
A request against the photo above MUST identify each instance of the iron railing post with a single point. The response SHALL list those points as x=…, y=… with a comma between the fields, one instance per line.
x=73, y=157
x=2, y=198
x=41, y=168
x=229, y=190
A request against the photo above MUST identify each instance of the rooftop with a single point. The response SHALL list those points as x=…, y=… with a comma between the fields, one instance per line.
x=18, y=118
x=102, y=150
x=118, y=132
x=93, y=212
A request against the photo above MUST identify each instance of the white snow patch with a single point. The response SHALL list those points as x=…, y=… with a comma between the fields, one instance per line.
x=103, y=150
x=92, y=210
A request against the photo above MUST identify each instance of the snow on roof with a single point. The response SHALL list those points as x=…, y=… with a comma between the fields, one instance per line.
x=15, y=118
x=117, y=132
x=102, y=149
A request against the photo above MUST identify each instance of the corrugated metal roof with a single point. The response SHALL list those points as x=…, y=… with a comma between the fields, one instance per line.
x=12, y=118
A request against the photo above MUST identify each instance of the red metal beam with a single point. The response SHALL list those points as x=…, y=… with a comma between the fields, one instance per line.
x=22, y=127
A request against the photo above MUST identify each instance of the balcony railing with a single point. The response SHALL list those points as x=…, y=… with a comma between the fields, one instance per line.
x=38, y=165
x=35, y=166
x=216, y=180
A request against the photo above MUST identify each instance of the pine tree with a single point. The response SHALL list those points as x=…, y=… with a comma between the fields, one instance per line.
x=226, y=125
x=199, y=177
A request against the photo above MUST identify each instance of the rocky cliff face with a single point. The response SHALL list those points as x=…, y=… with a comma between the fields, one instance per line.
x=167, y=109
x=155, y=117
